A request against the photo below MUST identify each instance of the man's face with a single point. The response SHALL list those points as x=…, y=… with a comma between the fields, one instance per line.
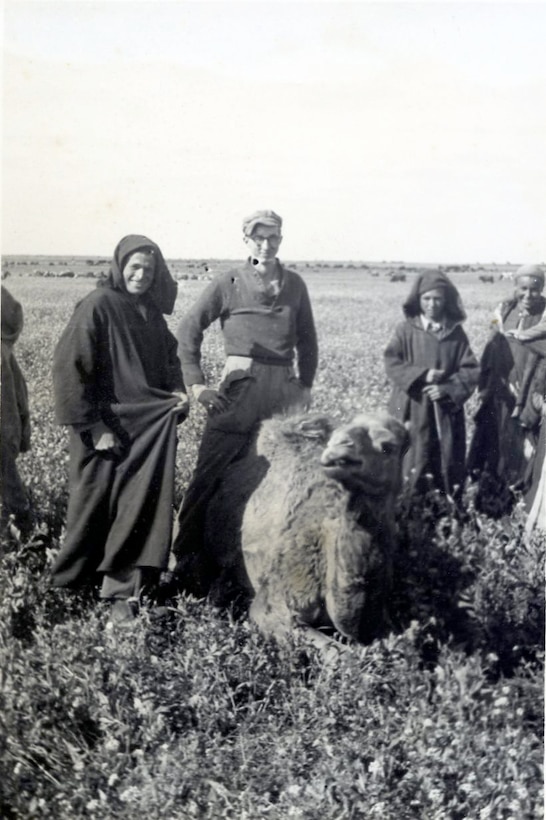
x=138, y=273
x=528, y=291
x=264, y=243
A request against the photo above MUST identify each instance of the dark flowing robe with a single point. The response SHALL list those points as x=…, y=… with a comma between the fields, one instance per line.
x=511, y=372
x=409, y=355
x=15, y=418
x=114, y=365
x=535, y=499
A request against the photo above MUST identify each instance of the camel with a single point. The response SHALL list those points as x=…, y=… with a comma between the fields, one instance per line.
x=305, y=523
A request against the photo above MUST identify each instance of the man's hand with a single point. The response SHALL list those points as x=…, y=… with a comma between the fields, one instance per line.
x=214, y=401
x=436, y=392
x=513, y=334
x=538, y=402
x=305, y=397
x=103, y=437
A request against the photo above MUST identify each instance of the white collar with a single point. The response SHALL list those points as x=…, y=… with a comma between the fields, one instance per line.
x=428, y=324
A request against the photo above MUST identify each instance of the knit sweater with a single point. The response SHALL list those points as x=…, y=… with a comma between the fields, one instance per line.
x=270, y=327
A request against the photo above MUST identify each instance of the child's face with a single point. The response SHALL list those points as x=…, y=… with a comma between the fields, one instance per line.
x=433, y=303
x=138, y=273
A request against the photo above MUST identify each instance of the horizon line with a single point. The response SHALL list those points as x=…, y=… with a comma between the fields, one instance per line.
x=344, y=260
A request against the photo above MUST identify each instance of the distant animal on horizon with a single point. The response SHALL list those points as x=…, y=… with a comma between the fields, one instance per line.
x=304, y=522
x=397, y=277
x=485, y=278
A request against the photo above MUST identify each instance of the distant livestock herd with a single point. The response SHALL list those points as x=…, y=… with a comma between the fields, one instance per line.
x=200, y=270
x=47, y=273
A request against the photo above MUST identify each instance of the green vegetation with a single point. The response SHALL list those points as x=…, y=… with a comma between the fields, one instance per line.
x=191, y=713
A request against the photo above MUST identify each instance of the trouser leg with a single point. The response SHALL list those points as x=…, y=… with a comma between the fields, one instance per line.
x=267, y=391
x=122, y=583
x=122, y=588
x=217, y=451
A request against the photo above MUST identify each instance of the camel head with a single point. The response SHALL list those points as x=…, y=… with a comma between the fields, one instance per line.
x=365, y=454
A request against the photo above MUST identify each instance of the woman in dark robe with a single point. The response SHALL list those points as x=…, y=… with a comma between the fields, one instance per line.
x=15, y=429
x=508, y=420
x=118, y=386
x=434, y=372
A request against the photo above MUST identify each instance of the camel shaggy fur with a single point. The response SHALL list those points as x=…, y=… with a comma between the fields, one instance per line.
x=305, y=521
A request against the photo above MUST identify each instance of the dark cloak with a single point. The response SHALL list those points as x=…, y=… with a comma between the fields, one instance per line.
x=112, y=364
x=15, y=413
x=413, y=351
x=15, y=418
x=511, y=372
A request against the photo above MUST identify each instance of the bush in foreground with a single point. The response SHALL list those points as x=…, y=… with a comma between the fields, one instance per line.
x=193, y=714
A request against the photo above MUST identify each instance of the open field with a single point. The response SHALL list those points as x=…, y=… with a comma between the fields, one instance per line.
x=196, y=715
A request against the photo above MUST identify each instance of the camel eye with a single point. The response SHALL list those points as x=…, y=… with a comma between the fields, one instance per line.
x=387, y=449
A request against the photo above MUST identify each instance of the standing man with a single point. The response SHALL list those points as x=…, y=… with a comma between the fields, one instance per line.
x=268, y=327
x=508, y=420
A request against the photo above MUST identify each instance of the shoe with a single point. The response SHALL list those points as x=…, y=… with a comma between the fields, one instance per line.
x=123, y=611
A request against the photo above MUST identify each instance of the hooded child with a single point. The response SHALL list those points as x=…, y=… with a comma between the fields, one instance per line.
x=433, y=372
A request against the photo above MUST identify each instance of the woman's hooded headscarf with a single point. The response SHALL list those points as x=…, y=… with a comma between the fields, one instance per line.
x=431, y=280
x=163, y=289
x=12, y=318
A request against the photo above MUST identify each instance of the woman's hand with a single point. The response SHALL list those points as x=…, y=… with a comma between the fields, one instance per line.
x=182, y=407
x=103, y=437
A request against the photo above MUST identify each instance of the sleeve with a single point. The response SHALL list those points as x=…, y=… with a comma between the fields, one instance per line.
x=461, y=384
x=76, y=361
x=405, y=375
x=533, y=393
x=306, y=345
x=495, y=365
x=189, y=333
x=175, y=379
x=532, y=334
x=538, y=346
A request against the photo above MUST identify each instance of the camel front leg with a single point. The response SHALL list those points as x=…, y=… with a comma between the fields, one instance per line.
x=278, y=621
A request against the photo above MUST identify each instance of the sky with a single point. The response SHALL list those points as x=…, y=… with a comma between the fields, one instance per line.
x=378, y=131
